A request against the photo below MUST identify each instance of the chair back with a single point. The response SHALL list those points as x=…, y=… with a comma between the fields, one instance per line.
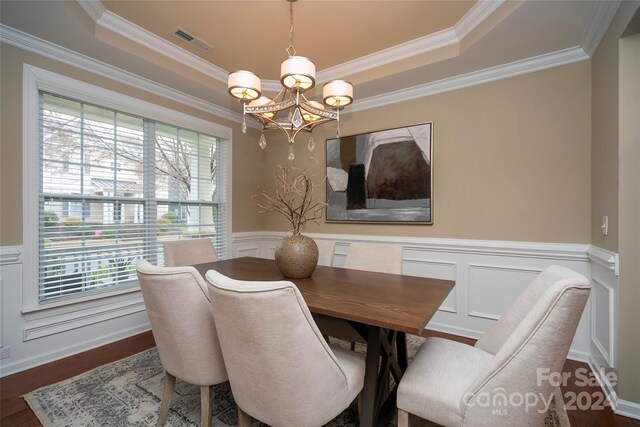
x=378, y=257
x=179, y=311
x=530, y=343
x=188, y=252
x=281, y=370
x=326, y=249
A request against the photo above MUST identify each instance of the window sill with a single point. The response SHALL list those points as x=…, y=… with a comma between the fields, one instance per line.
x=79, y=303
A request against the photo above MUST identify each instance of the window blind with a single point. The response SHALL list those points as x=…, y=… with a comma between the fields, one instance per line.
x=114, y=187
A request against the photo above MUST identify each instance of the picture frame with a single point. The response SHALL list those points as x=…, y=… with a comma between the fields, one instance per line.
x=384, y=176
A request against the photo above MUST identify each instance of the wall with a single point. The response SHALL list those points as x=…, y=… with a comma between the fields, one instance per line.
x=615, y=344
x=511, y=159
x=629, y=207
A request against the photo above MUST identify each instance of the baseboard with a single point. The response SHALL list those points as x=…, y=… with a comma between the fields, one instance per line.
x=605, y=385
x=60, y=353
x=578, y=356
x=628, y=409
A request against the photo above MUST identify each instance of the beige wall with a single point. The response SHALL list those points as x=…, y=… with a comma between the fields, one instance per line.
x=629, y=206
x=245, y=217
x=511, y=159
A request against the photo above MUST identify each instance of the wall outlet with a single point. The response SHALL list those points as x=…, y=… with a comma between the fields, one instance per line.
x=605, y=225
x=4, y=352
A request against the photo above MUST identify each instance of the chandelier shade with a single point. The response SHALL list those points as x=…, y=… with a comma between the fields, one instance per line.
x=244, y=85
x=298, y=73
x=290, y=111
x=337, y=93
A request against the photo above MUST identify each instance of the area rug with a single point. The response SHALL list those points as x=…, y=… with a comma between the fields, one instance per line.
x=128, y=393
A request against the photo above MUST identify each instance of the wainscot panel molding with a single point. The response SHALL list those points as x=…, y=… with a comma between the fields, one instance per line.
x=489, y=274
x=604, y=322
x=51, y=331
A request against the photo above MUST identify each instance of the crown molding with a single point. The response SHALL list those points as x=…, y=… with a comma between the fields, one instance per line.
x=524, y=66
x=399, y=52
x=601, y=17
x=474, y=17
x=94, y=8
x=133, y=32
x=50, y=50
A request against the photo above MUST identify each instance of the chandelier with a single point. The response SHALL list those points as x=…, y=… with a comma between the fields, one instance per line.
x=290, y=111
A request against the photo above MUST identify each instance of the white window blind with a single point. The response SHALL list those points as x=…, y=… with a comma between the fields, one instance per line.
x=114, y=187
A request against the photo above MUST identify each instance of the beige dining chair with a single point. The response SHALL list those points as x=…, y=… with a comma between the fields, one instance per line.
x=326, y=249
x=454, y=384
x=179, y=311
x=188, y=252
x=282, y=372
x=377, y=257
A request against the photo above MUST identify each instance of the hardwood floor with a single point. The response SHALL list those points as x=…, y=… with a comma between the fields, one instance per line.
x=15, y=412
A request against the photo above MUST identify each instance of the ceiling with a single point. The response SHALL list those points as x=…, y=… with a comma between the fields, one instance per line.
x=385, y=48
x=253, y=35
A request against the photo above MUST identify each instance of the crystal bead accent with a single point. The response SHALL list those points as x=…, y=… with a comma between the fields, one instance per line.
x=296, y=120
x=262, y=142
x=292, y=155
x=244, y=126
x=312, y=144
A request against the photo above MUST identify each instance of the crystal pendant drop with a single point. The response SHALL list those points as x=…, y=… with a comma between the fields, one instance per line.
x=312, y=144
x=292, y=155
x=244, y=126
x=296, y=120
x=262, y=142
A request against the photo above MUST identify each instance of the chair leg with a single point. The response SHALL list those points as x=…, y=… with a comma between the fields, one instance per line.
x=403, y=418
x=205, y=406
x=244, y=419
x=169, y=386
x=359, y=407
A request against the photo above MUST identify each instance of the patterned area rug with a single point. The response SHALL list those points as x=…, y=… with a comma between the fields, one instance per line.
x=128, y=393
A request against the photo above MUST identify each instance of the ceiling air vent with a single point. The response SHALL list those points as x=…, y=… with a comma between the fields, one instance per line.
x=184, y=35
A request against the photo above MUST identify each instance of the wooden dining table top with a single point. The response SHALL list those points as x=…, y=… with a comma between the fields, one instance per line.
x=391, y=301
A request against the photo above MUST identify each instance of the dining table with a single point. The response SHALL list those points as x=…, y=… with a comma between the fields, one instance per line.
x=381, y=307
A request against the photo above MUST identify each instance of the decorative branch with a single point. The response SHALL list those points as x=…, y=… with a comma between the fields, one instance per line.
x=293, y=198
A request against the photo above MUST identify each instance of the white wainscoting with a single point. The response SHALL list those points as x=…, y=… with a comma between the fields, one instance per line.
x=33, y=338
x=604, y=318
x=489, y=275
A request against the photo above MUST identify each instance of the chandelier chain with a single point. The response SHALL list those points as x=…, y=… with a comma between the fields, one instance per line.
x=291, y=51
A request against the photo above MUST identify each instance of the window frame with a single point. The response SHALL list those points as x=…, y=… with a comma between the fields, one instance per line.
x=35, y=80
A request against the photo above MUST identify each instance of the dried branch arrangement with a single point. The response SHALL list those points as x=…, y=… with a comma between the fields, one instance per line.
x=293, y=197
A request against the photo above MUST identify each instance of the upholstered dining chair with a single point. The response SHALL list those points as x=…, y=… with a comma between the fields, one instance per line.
x=281, y=370
x=378, y=257
x=326, y=249
x=179, y=311
x=188, y=252
x=492, y=383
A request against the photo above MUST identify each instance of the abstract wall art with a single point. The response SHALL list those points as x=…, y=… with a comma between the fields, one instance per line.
x=381, y=177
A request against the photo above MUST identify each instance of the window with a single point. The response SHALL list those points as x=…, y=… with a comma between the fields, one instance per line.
x=113, y=187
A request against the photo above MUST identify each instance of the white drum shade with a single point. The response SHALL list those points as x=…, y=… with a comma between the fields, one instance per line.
x=244, y=85
x=263, y=100
x=309, y=116
x=337, y=93
x=298, y=73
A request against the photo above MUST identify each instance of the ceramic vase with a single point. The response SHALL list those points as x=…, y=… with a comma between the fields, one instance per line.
x=297, y=256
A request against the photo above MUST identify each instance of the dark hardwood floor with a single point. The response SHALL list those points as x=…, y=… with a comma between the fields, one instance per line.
x=15, y=412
